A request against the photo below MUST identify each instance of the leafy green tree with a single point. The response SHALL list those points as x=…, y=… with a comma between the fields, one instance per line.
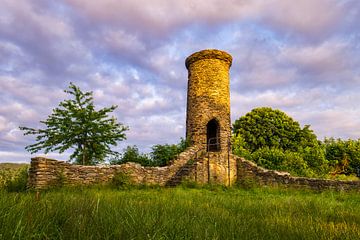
x=270, y=137
x=75, y=124
x=265, y=127
x=161, y=155
x=132, y=154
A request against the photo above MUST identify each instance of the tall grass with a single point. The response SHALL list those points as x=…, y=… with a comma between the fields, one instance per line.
x=260, y=213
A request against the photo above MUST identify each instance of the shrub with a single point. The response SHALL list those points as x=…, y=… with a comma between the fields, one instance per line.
x=132, y=154
x=247, y=182
x=18, y=183
x=343, y=155
x=121, y=181
x=161, y=155
x=277, y=159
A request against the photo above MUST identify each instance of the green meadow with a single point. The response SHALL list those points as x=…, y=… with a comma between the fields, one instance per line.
x=179, y=213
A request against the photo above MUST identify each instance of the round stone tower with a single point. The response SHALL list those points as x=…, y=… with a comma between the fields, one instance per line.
x=208, y=100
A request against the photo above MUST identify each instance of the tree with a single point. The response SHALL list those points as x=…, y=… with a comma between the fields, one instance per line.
x=132, y=154
x=270, y=137
x=161, y=155
x=76, y=124
x=265, y=127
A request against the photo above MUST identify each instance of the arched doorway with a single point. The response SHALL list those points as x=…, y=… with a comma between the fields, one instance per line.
x=213, y=136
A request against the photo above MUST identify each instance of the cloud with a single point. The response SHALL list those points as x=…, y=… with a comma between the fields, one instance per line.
x=306, y=19
x=299, y=57
x=161, y=15
x=328, y=59
x=338, y=123
x=42, y=45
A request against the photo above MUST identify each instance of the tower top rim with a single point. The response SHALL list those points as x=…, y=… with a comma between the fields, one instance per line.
x=208, y=54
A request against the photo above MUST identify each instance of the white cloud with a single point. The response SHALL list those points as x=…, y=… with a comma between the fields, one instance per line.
x=309, y=18
x=299, y=57
x=328, y=57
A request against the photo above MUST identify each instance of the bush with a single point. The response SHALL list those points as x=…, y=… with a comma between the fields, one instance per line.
x=247, y=182
x=343, y=155
x=18, y=183
x=132, y=154
x=277, y=159
x=275, y=141
x=161, y=155
x=121, y=181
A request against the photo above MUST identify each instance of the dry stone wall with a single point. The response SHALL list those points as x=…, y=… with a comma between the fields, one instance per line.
x=45, y=173
x=194, y=164
x=249, y=172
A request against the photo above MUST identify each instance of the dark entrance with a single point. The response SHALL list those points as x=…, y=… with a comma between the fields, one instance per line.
x=213, y=136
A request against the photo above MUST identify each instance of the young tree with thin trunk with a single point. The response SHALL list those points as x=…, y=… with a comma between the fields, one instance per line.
x=76, y=124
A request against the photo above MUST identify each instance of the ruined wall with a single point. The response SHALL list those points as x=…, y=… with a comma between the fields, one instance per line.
x=45, y=173
x=249, y=172
x=208, y=95
x=195, y=164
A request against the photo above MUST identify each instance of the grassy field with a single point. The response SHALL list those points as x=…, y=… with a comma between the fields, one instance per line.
x=180, y=213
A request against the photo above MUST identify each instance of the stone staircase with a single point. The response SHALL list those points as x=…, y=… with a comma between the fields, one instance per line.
x=186, y=169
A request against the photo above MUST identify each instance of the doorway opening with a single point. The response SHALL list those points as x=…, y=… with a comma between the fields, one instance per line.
x=213, y=136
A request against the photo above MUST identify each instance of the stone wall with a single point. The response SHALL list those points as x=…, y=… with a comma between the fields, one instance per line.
x=248, y=173
x=45, y=173
x=195, y=164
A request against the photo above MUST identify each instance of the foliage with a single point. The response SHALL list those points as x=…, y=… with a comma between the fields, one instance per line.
x=343, y=155
x=177, y=213
x=275, y=141
x=265, y=127
x=121, y=181
x=76, y=124
x=276, y=159
x=132, y=154
x=247, y=182
x=161, y=155
x=9, y=171
x=17, y=182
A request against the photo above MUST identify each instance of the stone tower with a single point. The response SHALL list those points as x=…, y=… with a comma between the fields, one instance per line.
x=208, y=100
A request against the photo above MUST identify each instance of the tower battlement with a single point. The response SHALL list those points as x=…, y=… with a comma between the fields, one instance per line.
x=208, y=54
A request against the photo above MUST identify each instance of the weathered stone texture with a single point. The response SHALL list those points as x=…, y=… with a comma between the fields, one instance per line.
x=248, y=170
x=44, y=173
x=208, y=95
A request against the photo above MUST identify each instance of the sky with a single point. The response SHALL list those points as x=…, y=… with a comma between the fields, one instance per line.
x=302, y=57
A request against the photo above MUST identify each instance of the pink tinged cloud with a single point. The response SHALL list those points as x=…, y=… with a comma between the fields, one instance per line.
x=331, y=56
x=313, y=18
x=306, y=17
